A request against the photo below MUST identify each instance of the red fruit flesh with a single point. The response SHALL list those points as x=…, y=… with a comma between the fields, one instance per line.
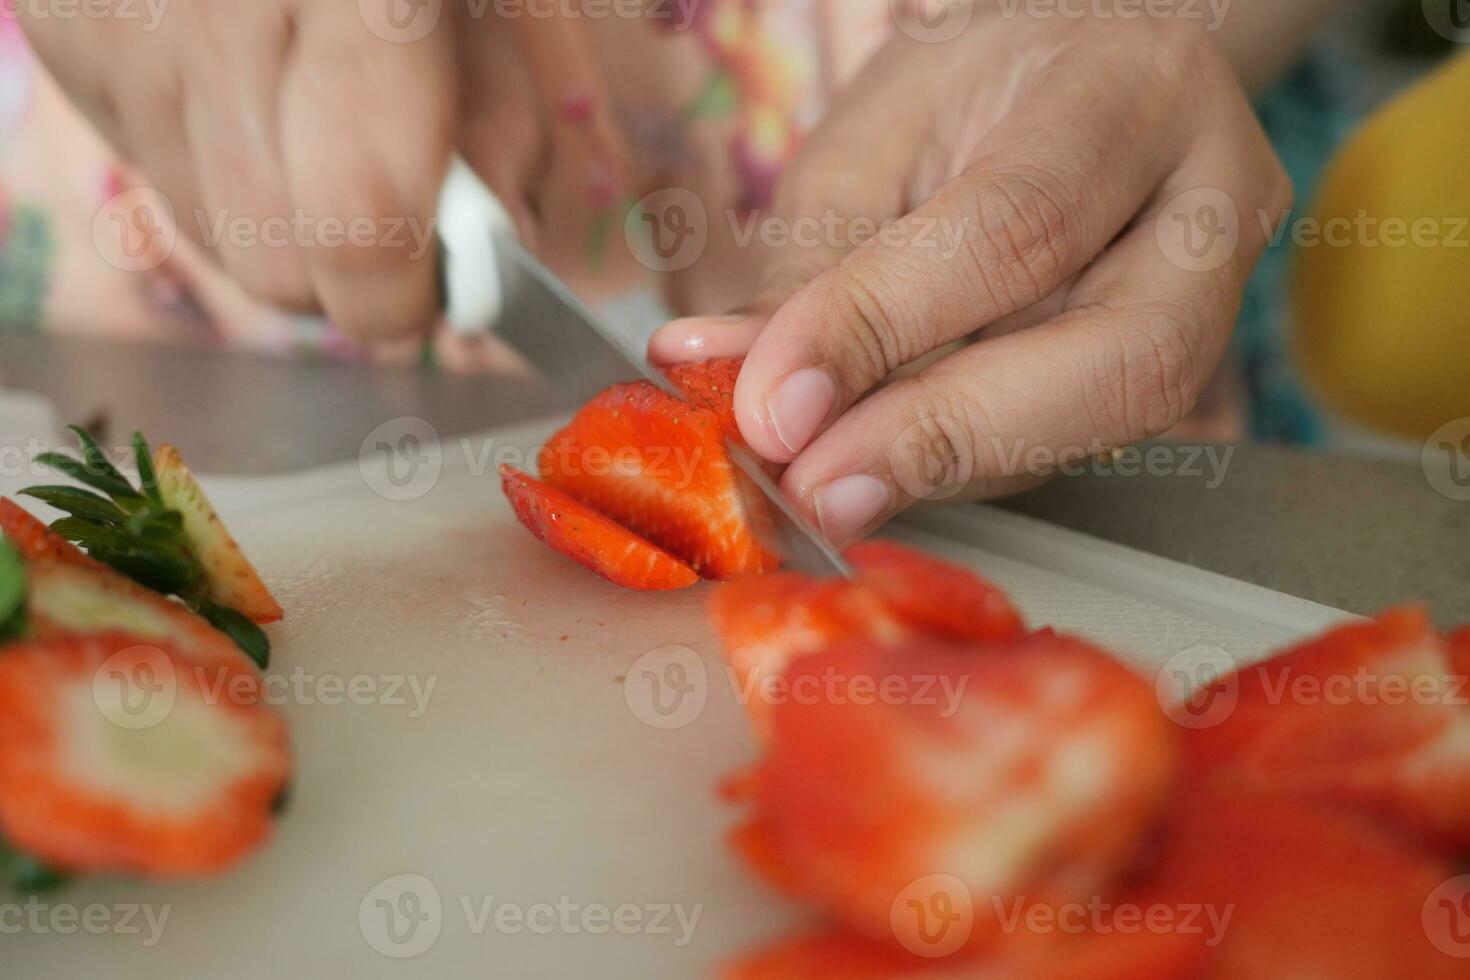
x=590, y=539
x=33, y=539
x=937, y=597
x=659, y=466
x=1370, y=715
x=97, y=774
x=1026, y=771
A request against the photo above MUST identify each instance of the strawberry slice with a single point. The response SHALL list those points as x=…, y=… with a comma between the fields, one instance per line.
x=33, y=539
x=64, y=598
x=711, y=384
x=120, y=755
x=232, y=581
x=1309, y=892
x=766, y=622
x=1023, y=771
x=1370, y=715
x=658, y=466
x=937, y=597
x=590, y=539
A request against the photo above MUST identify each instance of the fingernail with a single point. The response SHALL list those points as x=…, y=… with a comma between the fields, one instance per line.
x=701, y=338
x=799, y=405
x=846, y=506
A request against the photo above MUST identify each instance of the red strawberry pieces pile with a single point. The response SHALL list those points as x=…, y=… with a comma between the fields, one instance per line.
x=967, y=799
x=655, y=469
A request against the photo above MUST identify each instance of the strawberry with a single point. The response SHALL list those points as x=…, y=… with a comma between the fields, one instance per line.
x=64, y=598
x=937, y=597
x=765, y=622
x=33, y=539
x=1025, y=770
x=711, y=384
x=659, y=466
x=1370, y=715
x=590, y=539
x=1309, y=892
x=164, y=535
x=119, y=755
x=231, y=580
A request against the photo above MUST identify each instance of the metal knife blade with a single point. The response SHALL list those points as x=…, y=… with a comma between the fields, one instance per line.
x=570, y=343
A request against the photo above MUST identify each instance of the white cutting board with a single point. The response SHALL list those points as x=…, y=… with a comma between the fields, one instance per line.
x=529, y=778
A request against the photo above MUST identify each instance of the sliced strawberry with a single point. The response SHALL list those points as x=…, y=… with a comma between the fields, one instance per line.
x=1025, y=771
x=119, y=755
x=1308, y=892
x=658, y=465
x=232, y=581
x=590, y=539
x=711, y=384
x=65, y=598
x=34, y=539
x=1370, y=715
x=765, y=622
x=938, y=597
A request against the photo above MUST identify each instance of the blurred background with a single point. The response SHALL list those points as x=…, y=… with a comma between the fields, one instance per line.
x=1355, y=334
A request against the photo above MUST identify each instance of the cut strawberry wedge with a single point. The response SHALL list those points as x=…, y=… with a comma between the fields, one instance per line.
x=591, y=540
x=658, y=466
x=1025, y=771
x=766, y=622
x=1371, y=715
x=232, y=581
x=121, y=755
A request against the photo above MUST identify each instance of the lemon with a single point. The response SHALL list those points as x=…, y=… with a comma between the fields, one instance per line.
x=1382, y=278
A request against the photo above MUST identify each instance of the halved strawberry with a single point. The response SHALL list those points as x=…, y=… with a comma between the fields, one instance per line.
x=1370, y=715
x=232, y=580
x=34, y=539
x=121, y=755
x=64, y=598
x=590, y=539
x=1024, y=771
x=1289, y=890
x=659, y=466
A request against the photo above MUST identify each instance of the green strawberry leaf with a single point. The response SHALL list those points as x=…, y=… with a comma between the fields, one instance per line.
x=12, y=593
x=97, y=462
x=26, y=875
x=79, y=503
x=146, y=476
x=115, y=487
x=238, y=627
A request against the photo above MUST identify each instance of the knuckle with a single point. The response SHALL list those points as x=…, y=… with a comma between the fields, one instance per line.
x=1158, y=376
x=1026, y=239
x=873, y=340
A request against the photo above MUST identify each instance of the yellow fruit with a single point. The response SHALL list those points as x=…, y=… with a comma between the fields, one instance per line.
x=1382, y=300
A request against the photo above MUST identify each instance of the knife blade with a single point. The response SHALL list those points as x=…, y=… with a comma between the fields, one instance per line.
x=569, y=342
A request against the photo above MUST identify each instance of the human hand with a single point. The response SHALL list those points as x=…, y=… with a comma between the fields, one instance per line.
x=1037, y=178
x=302, y=144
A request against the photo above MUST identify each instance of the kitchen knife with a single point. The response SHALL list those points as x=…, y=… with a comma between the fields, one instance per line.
x=535, y=313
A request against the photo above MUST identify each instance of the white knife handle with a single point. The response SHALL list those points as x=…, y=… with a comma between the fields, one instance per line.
x=470, y=218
